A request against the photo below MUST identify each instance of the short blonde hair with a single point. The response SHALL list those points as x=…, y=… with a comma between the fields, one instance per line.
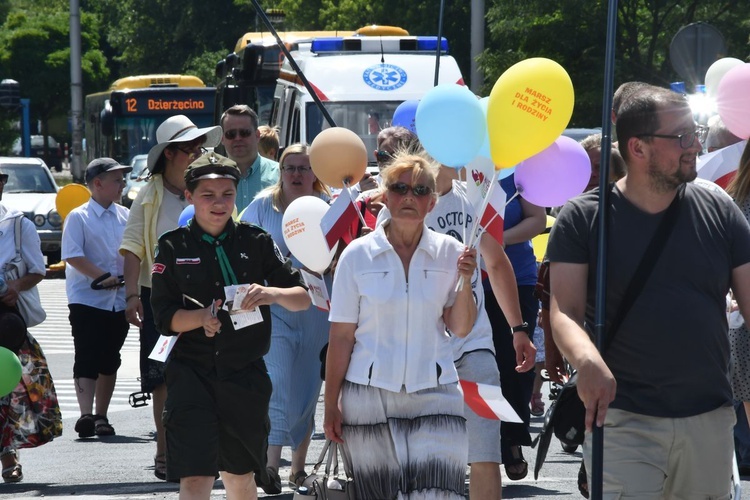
x=418, y=165
x=268, y=143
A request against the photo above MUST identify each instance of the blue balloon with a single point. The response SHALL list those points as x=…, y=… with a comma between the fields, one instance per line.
x=187, y=214
x=404, y=115
x=506, y=172
x=451, y=124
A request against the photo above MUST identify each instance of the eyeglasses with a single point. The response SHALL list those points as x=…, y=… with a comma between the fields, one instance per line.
x=401, y=188
x=290, y=169
x=244, y=133
x=381, y=155
x=686, y=140
x=4, y=178
x=194, y=153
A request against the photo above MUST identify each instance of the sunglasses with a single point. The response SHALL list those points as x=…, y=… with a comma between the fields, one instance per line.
x=382, y=155
x=244, y=133
x=4, y=178
x=401, y=188
x=194, y=153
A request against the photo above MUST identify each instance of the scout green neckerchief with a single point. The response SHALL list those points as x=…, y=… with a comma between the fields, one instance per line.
x=226, y=267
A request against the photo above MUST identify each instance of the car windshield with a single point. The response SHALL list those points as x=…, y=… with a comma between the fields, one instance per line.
x=27, y=179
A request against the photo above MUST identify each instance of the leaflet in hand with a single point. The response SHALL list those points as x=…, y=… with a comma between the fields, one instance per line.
x=317, y=290
x=235, y=294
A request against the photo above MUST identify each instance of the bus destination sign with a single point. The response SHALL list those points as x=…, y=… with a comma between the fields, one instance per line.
x=172, y=101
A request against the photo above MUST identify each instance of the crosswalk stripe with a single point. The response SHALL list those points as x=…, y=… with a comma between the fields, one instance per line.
x=55, y=338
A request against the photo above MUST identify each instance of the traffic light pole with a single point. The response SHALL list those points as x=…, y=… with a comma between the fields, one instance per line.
x=26, y=124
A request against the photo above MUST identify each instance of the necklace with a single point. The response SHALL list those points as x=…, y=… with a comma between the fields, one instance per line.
x=173, y=189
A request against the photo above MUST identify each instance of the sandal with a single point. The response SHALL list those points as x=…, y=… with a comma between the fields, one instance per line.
x=537, y=405
x=516, y=468
x=296, y=479
x=160, y=466
x=85, y=426
x=273, y=485
x=13, y=474
x=103, y=427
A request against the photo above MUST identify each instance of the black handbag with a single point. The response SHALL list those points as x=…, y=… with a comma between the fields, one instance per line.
x=567, y=414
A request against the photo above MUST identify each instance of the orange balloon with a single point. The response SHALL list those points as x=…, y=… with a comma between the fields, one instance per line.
x=338, y=156
x=70, y=197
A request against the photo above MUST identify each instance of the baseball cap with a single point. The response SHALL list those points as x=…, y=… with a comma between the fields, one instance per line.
x=103, y=165
x=212, y=166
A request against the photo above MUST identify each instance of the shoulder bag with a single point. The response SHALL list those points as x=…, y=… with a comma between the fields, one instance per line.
x=29, y=304
x=330, y=485
x=567, y=419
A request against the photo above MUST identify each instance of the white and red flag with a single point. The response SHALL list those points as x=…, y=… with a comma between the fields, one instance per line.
x=488, y=401
x=488, y=201
x=337, y=220
x=720, y=166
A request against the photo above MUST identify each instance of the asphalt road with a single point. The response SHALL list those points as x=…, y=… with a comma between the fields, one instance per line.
x=121, y=467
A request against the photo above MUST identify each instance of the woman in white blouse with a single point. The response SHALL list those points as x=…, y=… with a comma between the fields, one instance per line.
x=391, y=394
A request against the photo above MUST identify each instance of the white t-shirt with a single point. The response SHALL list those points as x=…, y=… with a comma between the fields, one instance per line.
x=400, y=338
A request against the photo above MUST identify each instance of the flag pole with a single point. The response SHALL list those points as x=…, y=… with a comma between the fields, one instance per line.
x=597, y=444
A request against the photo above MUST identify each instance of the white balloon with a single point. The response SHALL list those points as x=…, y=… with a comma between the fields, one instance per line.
x=717, y=71
x=303, y=235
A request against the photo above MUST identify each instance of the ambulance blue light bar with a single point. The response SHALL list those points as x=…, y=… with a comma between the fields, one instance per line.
x=371, y=44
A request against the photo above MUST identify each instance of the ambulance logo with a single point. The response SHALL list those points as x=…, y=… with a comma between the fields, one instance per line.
x=384, y=77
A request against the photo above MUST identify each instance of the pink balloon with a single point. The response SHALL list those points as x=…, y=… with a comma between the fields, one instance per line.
x=552, y=177
x=733, y=100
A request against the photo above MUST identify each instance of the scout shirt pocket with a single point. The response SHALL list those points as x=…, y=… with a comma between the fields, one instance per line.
x=193, y=278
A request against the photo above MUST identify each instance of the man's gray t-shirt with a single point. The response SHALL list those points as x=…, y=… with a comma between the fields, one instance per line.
x=670, y=356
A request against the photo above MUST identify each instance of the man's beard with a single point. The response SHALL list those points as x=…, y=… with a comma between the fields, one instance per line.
x=663, y=182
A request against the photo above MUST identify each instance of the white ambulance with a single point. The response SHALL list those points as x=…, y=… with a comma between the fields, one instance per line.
x=360, y=80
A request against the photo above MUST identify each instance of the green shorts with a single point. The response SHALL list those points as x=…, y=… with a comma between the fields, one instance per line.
x=216, y=424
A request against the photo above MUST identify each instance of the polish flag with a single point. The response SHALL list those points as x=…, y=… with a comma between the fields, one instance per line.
x=494, y=214
x=335, y=223
x=720, y=166
x=488, y=401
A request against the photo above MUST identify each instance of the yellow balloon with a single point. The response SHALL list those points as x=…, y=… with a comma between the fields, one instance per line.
x=539, y=242
x=70, y=197
x=529, y=107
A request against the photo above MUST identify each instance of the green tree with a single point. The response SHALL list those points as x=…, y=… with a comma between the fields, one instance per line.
x=573, y=33
x=35, y=51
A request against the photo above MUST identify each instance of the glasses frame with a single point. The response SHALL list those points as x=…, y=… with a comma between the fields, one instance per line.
x=383, y=155
x=290, y=169
x=698, y=133
x=232, y=134
x=195, y=153
x=402, y=188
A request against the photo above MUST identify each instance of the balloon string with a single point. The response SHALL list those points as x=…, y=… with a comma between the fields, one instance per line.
x=354, y=204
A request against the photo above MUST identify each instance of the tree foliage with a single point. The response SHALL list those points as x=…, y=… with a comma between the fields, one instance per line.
x=573, y=33
x=35, y=51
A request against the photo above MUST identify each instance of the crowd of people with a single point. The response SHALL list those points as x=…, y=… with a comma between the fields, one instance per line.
x=413, y=310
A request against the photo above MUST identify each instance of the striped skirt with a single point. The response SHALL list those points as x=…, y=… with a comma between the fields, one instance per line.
x=405, y=445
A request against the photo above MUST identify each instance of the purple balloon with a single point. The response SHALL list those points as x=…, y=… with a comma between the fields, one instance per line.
x=404, y=115
x=553, y=176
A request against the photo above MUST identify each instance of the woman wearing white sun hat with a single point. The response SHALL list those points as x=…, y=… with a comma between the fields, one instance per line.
x=157, y=209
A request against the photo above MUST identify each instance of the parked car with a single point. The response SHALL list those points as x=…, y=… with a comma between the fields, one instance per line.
x=135, y=180
x=32, y=190
x=55, y=154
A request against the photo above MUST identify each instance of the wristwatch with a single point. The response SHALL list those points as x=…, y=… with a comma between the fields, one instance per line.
x=523, y=327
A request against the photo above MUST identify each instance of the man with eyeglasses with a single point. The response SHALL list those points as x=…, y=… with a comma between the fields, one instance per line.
x=240, y=140
x=662, y=386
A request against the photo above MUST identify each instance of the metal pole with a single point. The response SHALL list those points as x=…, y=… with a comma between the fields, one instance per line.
x=259, y=12
x=26, y=130
x=600, y=313
x=439, y=49
x=477, y=44
x=76, y=91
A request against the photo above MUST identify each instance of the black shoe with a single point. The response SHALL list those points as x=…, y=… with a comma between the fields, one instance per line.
x=270, y=482
x=85, y=426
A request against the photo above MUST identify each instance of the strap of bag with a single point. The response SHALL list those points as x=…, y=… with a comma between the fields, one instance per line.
x=322, y=456
x=17, y=236
x=648, y=261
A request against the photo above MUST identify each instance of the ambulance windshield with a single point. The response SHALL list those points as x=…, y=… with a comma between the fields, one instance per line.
x=366, y=119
